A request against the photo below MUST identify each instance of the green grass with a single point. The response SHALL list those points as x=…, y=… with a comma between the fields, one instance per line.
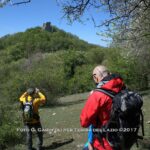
x=66, y=116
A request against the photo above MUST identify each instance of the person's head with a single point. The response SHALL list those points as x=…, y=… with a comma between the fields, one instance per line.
x=99, y=73
x=31, y=91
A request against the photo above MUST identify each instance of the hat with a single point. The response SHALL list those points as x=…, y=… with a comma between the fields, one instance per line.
x=30, y=91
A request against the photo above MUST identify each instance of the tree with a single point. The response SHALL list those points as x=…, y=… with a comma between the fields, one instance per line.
x=4, y=2
x=128, y=24
x=72, y=59
x=123, y=14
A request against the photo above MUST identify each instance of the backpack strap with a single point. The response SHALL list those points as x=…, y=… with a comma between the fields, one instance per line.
x=142, y=122
x=102, y=134
x=109, y=93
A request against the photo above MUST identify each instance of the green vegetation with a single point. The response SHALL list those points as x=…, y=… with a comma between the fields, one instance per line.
x=59, y=64
x=8, y=125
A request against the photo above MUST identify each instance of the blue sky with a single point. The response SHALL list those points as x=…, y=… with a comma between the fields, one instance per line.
x=21, y=17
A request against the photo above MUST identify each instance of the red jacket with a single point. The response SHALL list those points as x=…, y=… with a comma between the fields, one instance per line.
x=98, y=106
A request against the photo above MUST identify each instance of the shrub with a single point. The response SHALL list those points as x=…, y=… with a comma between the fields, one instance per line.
x=81, y=81
x=128, y=67
x=45, y=74
x=10, y=121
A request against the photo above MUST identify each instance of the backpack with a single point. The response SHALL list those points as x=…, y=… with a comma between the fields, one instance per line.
x=126, y=117
x=28, y=110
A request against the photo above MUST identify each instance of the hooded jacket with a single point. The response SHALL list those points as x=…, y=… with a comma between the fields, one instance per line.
x=98, y=107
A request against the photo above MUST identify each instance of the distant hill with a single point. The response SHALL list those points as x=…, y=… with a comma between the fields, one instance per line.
x=39, y=39
x=44, y=57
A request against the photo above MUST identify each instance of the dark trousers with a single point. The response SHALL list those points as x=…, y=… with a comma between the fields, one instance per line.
x=29, y=129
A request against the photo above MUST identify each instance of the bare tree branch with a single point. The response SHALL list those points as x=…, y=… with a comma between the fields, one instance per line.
x=21, y=2
x=5, y=2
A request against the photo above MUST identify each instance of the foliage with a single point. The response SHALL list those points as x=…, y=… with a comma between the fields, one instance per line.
x=10, y=121
x=37, y=40
x=124, y=16
x=5, y=2
x=128, y=67
x=72, y=59
x=37, y=72
x=53, y=61
x=81, y=81
x=96, y=55
x=127, y=24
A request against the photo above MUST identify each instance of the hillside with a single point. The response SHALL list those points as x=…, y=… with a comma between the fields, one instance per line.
x=40, y=51
x=50, y=60
x=34, y=40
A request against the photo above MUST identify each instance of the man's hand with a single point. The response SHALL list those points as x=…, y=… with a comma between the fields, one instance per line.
x=36, y=90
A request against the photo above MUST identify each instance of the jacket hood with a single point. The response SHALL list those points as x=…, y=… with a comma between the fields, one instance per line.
x=113, y=83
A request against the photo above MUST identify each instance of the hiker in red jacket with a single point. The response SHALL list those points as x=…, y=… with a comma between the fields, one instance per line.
x=97, y=109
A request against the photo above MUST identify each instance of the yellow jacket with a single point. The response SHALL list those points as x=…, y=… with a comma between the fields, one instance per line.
x=39, y=99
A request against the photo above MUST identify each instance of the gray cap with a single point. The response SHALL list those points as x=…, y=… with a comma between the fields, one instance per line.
x=31, y=91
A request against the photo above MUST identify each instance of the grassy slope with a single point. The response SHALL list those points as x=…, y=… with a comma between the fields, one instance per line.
x=66, y=116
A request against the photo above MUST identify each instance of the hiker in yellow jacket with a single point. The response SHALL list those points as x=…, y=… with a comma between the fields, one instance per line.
x=30, y=101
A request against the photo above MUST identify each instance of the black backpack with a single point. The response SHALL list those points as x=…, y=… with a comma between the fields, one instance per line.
x=126, y=117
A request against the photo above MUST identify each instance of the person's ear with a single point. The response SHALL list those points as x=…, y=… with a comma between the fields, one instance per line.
x=97, y=80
